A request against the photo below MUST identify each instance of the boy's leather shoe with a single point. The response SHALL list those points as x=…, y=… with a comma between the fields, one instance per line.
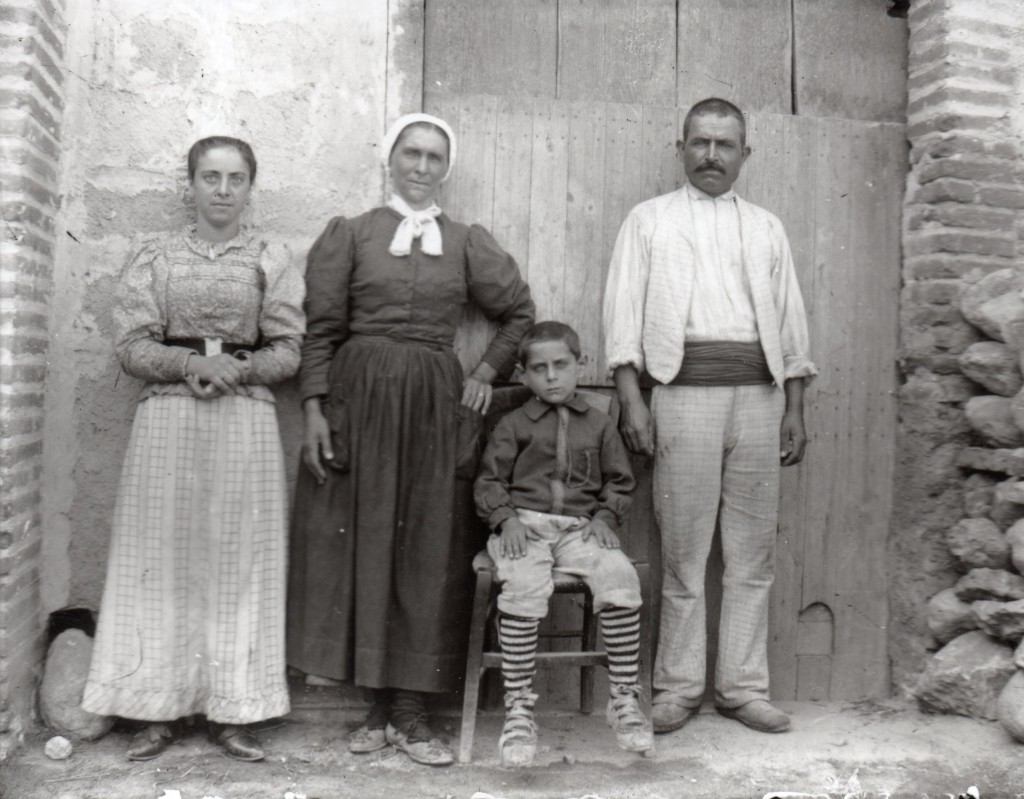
x=517, y=745
x=632, y=729
x=759, y=715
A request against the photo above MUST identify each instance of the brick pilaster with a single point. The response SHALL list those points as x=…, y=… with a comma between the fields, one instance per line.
x=31, y=104
x=962, y=220
x=966, y=186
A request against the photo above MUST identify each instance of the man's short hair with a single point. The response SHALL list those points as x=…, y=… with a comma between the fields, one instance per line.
x=549, y=331
x=718, y=107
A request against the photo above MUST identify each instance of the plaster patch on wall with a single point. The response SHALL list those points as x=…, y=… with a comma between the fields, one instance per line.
x=303, y=81
x=164, y=52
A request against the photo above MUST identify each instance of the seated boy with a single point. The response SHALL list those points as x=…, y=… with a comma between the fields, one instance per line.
x=554, y=485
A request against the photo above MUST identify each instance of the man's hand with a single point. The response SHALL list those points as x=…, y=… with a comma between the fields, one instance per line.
x=606, y=539
x=636, y=423
x=514, y=535
x=793, y=439
x=792, y=436
x=316, y=439
x=637, y=428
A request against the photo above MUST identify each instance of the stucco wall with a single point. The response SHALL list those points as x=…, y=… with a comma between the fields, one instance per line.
x=304, y=82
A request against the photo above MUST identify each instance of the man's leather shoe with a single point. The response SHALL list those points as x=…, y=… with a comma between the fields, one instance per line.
x=670, y=716
x=759, y=715
x=149, y=742
x=239, y=743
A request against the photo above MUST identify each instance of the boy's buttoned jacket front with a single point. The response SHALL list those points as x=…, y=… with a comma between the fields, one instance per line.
x=520, y=459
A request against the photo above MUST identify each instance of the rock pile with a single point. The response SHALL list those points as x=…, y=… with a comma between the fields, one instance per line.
x=979, y=621
x=60, y=693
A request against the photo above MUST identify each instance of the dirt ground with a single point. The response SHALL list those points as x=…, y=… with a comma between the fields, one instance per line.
x=836, y=750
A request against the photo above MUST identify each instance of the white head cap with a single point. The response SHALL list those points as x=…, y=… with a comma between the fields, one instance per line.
x=402, y=123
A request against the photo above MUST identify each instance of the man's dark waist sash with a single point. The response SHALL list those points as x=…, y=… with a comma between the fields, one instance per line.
x=723, y=363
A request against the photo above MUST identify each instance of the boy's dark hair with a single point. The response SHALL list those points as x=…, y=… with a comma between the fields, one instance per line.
x=549, y=331
x=197, y=150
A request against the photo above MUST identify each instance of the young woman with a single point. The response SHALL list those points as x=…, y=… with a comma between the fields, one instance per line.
x=380, y=583
x=192, y=618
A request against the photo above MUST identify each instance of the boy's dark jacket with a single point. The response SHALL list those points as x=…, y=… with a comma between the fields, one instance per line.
x=519, y=463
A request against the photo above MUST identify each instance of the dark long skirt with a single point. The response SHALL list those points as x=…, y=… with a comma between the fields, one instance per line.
x=380, y=577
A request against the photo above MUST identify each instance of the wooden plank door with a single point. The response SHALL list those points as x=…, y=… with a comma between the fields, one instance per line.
x=554, y=181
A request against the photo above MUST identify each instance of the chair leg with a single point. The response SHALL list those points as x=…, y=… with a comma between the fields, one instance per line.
x=643, y=571
x=588, y=644
x=474, y=663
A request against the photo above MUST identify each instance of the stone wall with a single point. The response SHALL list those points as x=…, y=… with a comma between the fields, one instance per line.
x=963, y=221
x=31, y=109
x=309, y=83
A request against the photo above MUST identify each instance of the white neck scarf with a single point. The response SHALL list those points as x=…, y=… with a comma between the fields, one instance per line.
x=415, y=225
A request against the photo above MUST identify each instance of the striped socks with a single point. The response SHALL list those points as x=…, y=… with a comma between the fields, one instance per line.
x=620, y=629
x=518, y=637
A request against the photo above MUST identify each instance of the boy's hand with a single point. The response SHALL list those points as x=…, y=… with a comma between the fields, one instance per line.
x=606, y=539
x=514, y=535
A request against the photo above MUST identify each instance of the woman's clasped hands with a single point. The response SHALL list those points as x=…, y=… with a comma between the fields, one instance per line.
x=210, y=376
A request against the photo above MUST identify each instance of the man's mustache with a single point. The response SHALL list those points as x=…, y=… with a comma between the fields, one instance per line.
x=709, y=166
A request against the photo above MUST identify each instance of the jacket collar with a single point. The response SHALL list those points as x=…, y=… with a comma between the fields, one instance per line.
x=536, y=408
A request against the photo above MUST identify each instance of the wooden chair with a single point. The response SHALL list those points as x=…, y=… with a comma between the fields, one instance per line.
x=480, y=658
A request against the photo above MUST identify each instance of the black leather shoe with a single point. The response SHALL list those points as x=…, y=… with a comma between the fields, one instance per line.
x=239, y=743
x=759, y=715
x=670, y=716
x=150, y=742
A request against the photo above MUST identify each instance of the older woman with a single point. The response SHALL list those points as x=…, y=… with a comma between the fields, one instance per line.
x=380, y=568
x=192, y=619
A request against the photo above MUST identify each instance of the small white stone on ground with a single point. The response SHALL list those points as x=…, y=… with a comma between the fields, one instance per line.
x=58, y=748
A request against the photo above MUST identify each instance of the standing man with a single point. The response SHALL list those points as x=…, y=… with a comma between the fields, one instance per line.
x=702, y=294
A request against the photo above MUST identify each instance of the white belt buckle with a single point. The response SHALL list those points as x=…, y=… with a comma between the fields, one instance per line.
x=213, y=346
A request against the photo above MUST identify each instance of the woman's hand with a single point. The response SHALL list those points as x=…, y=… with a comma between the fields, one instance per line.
x=477, y=390
x=201, y=391
x=316, y=439
x=222, y=372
